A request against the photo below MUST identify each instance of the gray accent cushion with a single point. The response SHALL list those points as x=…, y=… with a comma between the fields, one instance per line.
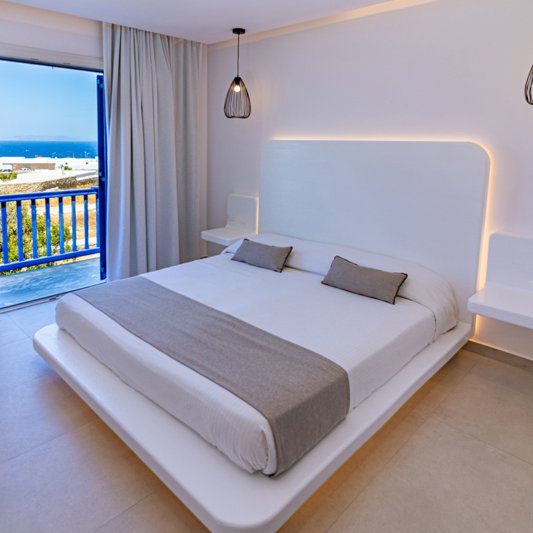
x=371, y=282
x=262, y=255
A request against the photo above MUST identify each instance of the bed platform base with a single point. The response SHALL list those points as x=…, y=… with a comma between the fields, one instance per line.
x=224, y=497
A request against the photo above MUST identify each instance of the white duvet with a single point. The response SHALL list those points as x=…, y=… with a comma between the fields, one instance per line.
x=371, y=340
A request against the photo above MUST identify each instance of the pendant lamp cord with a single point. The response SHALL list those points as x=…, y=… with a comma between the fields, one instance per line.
x=238, y=49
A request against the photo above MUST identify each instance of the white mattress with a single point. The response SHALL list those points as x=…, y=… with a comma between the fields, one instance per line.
x=370, y=339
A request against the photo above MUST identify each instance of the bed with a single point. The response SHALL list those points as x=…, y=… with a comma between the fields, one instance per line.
x=362, y=217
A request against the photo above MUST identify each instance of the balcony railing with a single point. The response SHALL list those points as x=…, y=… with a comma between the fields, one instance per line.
x=46, y=227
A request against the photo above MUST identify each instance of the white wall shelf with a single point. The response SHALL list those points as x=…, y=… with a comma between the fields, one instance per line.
x=226, y=235
x=508, y=292
x=242, y=213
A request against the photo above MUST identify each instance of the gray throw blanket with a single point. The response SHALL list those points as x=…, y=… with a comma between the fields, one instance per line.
x=302, y=394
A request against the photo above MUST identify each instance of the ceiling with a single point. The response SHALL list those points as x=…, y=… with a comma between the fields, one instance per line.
x=208, y=21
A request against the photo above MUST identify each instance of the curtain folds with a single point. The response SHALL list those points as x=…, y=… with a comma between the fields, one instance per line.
x=156, y=131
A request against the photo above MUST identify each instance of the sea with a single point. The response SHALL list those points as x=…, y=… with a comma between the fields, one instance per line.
x=59, y=149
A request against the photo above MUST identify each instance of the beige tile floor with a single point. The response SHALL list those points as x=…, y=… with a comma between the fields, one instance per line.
x=458, y=457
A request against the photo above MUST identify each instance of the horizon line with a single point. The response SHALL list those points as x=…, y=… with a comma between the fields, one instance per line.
x=47, y=140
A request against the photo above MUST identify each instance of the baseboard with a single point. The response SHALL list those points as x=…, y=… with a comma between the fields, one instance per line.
x=499, y=355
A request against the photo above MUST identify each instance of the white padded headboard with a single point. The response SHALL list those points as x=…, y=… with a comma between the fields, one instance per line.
x=419, y=201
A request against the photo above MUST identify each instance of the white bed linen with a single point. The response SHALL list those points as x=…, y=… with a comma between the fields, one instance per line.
x=422, y=285
x=370, y=339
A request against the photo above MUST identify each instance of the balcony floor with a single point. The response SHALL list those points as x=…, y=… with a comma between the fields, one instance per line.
x=33, y=285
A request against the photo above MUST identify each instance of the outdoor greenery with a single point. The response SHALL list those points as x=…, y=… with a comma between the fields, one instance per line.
x=7, y=176
x=27, y=236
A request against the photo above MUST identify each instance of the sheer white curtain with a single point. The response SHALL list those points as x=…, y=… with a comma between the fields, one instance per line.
x=156, y=127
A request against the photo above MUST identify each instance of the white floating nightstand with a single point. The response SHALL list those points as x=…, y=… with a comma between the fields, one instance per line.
x=508, y=292
x=241, y=221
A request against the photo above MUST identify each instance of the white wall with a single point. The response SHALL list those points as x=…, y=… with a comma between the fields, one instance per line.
x=451, y=69
x=36, y=34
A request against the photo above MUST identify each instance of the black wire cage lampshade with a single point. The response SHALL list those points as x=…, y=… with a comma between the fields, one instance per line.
x=237, y=103
x=529, y=87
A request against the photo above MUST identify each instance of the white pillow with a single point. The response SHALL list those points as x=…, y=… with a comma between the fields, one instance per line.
x=422, y=285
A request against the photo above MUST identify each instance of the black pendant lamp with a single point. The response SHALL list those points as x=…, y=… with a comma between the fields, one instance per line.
x=529, y=87
x=237, y=104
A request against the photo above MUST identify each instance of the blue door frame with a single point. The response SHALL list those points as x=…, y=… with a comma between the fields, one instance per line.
x=102, y=174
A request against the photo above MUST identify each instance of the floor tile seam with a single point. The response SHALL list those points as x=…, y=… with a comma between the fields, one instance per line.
x=6, y=344
x=15, y=324
x=36, y=379
x=451, y=387
x=424, y=421
x=123, y=511
x=46, y=442
x=490, y=445
x=479, y=439
x=499, y=383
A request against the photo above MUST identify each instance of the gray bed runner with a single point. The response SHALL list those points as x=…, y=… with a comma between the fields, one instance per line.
x=302, y=394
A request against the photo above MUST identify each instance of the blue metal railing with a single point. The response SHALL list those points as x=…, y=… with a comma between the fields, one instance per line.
x=39, y=238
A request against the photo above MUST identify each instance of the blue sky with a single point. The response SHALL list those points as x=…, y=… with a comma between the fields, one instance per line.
x=39, y=102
